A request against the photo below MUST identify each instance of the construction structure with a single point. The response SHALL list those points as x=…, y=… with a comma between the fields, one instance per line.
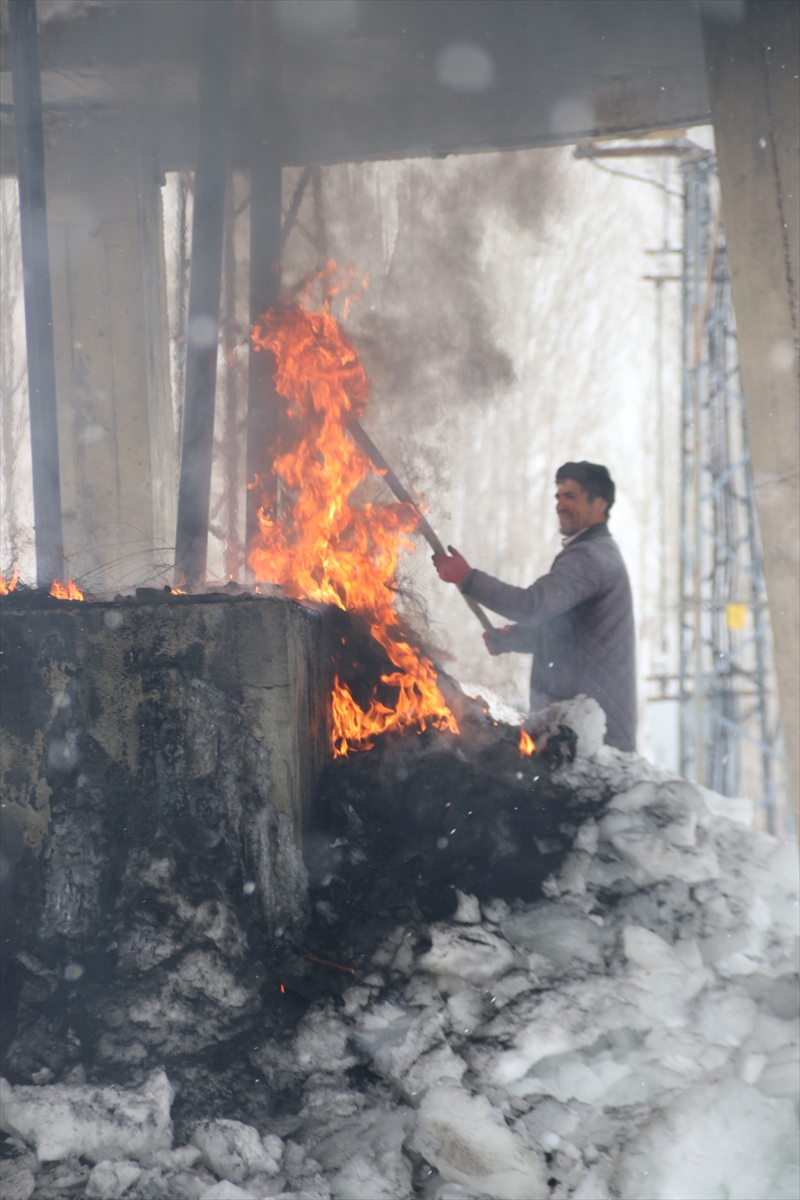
x=726, y=687
x=106, y=97
x=716, y=668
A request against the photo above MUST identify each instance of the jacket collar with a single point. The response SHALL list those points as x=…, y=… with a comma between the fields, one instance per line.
x=588, y=535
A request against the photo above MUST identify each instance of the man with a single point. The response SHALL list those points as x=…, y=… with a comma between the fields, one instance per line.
x=578, y=619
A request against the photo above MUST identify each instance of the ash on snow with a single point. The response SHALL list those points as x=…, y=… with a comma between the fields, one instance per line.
x=628, y=1029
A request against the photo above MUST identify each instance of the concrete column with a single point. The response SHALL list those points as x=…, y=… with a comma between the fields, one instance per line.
x=29, y=130
x=752, y=66
x=112, y=378
x=205, y=286
x=164, y=489
x=265, y=409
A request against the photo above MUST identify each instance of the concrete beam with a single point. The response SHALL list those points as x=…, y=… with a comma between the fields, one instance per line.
x=378, y=87
x=755, y=102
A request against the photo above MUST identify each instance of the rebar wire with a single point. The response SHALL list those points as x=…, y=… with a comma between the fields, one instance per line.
x=294, y=207
x=328, y=962
x=638, y=178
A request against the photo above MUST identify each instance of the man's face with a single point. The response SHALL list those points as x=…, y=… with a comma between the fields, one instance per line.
x=575, y=510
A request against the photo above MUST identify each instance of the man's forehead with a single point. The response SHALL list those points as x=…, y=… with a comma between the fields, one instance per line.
x=568, y=485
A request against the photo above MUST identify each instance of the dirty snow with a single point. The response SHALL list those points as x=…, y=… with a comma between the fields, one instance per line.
x=632, y=1035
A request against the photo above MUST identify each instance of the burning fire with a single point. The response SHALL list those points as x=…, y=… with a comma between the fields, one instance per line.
x=67, y=591
x=8, y=585
x=324, y=548
x=526, y=742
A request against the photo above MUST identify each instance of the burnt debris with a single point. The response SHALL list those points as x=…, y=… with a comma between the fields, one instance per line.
x=156, y=913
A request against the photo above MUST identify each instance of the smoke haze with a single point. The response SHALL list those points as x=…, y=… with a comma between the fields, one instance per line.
x=505, y=328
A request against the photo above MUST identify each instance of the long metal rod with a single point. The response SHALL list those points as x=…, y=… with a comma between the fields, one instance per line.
x=38, y=298
x=208, y=222
x=366, y=443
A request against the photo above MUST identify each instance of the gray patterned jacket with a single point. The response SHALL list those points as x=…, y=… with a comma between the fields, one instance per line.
x=578, y=623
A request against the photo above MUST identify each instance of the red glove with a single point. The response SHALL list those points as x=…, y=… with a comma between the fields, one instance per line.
x=494, y=640
x=452, y=568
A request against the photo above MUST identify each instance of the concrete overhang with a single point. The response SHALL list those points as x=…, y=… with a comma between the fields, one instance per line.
x=377, y=79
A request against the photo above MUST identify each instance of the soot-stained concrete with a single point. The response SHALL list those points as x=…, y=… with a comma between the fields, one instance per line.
x=160, y=754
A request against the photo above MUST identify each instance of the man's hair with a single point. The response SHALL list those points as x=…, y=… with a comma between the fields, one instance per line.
x=592, y=477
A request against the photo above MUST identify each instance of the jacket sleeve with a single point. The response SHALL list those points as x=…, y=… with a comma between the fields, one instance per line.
x=519, y=639
x=574, y=577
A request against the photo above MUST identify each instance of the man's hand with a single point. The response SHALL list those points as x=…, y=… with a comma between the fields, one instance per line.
x=494, y=640
x=452, y=567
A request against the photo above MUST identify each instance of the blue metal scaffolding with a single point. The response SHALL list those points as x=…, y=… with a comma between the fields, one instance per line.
x=725, y=688
x=730, y=737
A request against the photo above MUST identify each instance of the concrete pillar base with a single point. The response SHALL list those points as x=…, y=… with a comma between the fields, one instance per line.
x=159, y=759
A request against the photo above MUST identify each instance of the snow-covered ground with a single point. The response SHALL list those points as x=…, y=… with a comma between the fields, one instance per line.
x=634, y=1034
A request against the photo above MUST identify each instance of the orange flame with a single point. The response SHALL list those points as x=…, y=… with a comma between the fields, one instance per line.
x=7, y=586
x=526, y=742
x=68, y=591
x=323, y=547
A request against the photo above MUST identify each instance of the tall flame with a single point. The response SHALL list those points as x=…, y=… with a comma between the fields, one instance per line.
x=323, y=547
x=8, y=585
x=66, y=591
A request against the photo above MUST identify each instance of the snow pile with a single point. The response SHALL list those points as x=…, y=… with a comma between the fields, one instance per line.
x=236, y=1152
x=468, y=1141
x=98, y=1123
x=632, y=1034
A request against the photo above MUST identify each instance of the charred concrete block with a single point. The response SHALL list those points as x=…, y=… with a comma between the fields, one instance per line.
x=161, y=713
x=108, y=659
x=159, y=757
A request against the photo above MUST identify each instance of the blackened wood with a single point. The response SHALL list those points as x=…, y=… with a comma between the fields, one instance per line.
x=208, y=222
x=38, y=298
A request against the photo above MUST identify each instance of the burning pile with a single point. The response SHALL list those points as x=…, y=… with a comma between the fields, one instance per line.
x=58, y=589
x=66, y=591
x=323, y=545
